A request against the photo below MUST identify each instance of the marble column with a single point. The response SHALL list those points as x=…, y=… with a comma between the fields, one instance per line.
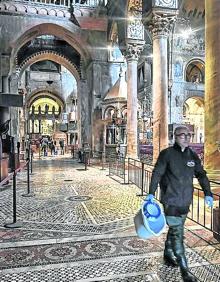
x=132, y=55
x=160, y=29
x=212, y=87
x=83, y=119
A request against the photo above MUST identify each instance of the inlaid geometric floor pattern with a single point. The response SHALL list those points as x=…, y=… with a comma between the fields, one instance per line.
x=78, y=226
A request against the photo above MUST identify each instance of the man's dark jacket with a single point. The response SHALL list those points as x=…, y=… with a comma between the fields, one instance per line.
x=174, y=170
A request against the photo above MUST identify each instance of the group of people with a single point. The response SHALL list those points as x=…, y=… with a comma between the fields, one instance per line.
x=174, y=171
x=51, y=145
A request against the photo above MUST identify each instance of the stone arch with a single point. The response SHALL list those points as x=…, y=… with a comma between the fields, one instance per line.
x=108, y=112
x=193, y=114
x=197, y=66
x=49, y=55
x=36, y=94
x=71, y=35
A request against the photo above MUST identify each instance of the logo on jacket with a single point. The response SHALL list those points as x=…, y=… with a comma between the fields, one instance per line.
x=190, y=163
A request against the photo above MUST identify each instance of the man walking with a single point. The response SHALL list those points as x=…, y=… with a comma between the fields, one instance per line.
x=174, y=170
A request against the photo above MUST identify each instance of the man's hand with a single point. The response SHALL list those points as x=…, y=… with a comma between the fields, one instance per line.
x=150, y=197
x=209, y=201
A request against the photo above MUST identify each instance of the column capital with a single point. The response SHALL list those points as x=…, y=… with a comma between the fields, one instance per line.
x=161, y=25
x=133, y=49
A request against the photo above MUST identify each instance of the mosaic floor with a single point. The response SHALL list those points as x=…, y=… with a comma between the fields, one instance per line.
x=78, y=226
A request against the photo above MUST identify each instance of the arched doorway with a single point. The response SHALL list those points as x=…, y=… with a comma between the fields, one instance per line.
x=193, y=114
x=49, y=89
x=43, y=115
x=63, y=46
x=195, y=72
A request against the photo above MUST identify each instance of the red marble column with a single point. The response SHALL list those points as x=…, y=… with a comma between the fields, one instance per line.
x=212, y=87
x=160, y=28
x=132, y=54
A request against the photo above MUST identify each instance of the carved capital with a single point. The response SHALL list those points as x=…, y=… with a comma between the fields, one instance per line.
x=161, y=25
x=133, y=50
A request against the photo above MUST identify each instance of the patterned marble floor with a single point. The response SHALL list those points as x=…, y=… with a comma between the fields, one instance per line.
x=78, y=226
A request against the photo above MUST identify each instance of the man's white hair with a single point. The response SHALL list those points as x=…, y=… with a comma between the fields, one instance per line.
x=180, y=128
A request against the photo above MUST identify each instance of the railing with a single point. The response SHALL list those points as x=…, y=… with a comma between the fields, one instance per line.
x=62, y=3
x=146, y=152
x=140, y=173
x=117, y=167
x=66, y=3
x=203, y=215
x=12, y=176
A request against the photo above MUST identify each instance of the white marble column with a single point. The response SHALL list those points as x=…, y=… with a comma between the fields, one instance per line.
x=132, y=54
x=212, y=87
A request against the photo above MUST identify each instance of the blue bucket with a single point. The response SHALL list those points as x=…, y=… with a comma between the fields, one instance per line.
x=150, y=220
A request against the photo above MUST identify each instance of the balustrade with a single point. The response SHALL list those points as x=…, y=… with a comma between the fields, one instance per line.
x=66, y=3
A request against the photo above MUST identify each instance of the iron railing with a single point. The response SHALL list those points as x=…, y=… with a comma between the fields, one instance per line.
x=117, y=167
x=139, y=173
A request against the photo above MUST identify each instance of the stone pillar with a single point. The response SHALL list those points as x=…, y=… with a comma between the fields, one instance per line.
x=39, y=126
x=5, y=85
x=68, y=139
x=160, y=27
x=212, y=87
x=14, y=112
x=4, y=111
x=84, y=117
x=132, y=54
x=32, y=126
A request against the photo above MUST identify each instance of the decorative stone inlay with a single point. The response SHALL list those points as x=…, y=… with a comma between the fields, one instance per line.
x=79, y=198
x=135, y=29
x=23, y=256
x=135, y=5
x=101, y=248
x=134, y=244
x=161, y=25
x=62, y=252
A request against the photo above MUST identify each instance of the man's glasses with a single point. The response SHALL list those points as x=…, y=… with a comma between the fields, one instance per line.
x=184, y=135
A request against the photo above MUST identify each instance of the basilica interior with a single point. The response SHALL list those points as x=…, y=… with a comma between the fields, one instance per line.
x=90, y=92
